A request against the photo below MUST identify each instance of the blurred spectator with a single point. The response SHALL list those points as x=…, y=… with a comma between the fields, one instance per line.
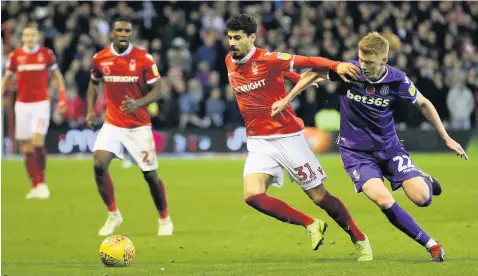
x=460, y=103
x=436, y=40
x=215, y=108
x=189, y=105
x=179, y=55
x=234, y=117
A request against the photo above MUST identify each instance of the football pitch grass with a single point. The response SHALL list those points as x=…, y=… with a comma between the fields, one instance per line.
x=216, y=233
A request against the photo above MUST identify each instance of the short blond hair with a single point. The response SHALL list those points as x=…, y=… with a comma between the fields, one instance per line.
x=374, y=43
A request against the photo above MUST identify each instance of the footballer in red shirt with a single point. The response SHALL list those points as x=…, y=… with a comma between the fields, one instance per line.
x=32, y=64
x=277, y=143
x=130, y=78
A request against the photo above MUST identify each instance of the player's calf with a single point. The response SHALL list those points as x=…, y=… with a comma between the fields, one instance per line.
x=101, y=162
x=336, y=210
x=158, y=192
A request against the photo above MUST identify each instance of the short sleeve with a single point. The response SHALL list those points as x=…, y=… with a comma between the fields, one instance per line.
x=407, y=90
x=279, y=61
x=151, y=73
x=96, y=74
x=11, y=64
x=52, y=65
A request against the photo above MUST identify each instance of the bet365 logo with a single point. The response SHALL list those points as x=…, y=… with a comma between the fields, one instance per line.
x=368, y=100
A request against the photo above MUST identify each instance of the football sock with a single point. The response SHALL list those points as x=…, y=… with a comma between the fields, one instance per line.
x=106, y=189
x=430, y=243
x=158, y=192
x=338, y=212
x=278, y=209
x=40, y=156
x=31, y=166
x=405, y=223
x=430, y=188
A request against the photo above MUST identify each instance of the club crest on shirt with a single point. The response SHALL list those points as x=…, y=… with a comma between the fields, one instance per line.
x=132, y=65
x=370, y=89
x=255, y=69
x=40, y=57
x=385, y=90
x=106, y=70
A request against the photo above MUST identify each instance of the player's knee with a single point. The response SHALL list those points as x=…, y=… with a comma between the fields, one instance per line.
x=38, y=140
x=100, y=166
x=423, y=200
x=26, y=147
x=384, y=202
x=150, y=176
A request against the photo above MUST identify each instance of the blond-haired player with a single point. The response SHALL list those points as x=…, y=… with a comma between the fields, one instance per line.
x=32, y=64
x=368, y=141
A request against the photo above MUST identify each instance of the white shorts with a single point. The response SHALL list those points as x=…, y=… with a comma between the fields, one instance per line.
x=138, y=141
x=31, y=118
x=273, y=155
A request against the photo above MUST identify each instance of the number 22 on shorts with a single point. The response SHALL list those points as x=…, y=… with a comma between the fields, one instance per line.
x=148, y=156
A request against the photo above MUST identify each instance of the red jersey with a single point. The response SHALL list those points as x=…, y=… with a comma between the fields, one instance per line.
x=32, y=72
x=258, y=82
x=125, y=74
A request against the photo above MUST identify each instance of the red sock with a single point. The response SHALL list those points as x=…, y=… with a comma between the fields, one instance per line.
x=31, y=166
x=278, y=209
x=106, y=189
x=163, y=209
x=337, y=211
x=40, y=156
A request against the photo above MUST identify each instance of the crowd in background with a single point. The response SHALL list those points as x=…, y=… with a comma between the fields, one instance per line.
x=187, y=39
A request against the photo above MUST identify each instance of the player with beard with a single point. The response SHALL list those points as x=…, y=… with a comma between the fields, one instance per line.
x=275, y=144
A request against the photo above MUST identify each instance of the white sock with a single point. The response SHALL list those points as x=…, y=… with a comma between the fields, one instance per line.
x=431, y=242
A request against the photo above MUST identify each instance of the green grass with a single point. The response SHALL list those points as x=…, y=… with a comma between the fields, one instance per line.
x=217, y=234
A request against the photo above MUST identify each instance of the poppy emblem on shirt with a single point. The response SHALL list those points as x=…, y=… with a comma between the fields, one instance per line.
x=21, y=59
x=106, y=70
x=132, y=65
x=370, y=89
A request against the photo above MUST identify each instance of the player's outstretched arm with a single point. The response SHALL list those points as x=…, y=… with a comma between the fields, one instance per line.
x=430, y=112
x=306, y=79
x=343, y=69
x=91, y=99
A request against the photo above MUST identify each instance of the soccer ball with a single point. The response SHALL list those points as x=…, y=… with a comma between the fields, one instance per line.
x=117, y=251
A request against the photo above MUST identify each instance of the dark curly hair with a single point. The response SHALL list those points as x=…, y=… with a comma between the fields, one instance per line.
x=242, y=22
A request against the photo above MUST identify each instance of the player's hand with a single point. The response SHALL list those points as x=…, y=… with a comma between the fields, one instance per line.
x=452, y=144
x=129, y=105
x=278, y=106
x=345, y=69
x=90, y=118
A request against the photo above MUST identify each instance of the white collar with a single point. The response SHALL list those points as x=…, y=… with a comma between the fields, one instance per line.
x=380, y=80
x=125, y=53
x=246, y=58
x=28, y=51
